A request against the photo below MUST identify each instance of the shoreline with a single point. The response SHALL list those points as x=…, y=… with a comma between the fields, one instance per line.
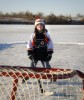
x=31, y=22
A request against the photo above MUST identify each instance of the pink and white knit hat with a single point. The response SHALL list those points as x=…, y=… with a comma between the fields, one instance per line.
x=39, y=21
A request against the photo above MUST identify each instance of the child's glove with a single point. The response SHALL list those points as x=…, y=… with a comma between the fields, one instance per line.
x=48, y=58
x=30, y=54
x=31, y=57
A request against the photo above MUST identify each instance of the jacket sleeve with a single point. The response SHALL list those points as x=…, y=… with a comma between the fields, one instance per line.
x=49, y=43
x=30, y=45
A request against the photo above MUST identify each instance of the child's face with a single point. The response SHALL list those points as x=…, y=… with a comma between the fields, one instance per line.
x=39, y=27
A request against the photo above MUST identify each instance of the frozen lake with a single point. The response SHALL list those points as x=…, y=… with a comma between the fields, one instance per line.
x=68, y=45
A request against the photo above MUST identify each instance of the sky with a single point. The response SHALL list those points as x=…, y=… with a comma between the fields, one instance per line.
x=58, y=7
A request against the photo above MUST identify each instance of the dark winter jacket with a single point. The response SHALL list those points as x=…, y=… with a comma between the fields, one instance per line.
x=40, y=45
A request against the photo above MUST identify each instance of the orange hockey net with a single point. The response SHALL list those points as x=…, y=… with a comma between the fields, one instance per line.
x=40, y=83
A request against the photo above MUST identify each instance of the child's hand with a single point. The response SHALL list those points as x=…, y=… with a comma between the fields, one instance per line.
x=49, y=57
x=31, y=57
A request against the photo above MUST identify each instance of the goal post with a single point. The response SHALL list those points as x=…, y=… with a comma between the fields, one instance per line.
x=41, y=83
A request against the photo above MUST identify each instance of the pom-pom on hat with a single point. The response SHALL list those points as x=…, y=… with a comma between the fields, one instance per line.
x=39, y=21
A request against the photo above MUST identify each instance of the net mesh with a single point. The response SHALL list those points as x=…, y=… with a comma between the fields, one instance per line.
x=24, y=83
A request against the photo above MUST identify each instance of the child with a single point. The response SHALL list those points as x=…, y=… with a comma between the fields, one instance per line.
x=40, y=46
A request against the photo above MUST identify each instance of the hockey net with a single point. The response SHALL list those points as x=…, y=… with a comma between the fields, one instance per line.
x=25, y=83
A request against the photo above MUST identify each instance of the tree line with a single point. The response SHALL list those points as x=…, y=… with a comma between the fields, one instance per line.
x=28, y=18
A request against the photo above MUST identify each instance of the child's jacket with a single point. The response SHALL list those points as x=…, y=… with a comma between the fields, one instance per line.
x=40, y=44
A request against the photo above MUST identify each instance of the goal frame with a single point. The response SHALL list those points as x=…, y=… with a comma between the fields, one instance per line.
x=18, y=74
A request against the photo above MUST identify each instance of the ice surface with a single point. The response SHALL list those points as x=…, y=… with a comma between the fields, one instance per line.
x=68, y=45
